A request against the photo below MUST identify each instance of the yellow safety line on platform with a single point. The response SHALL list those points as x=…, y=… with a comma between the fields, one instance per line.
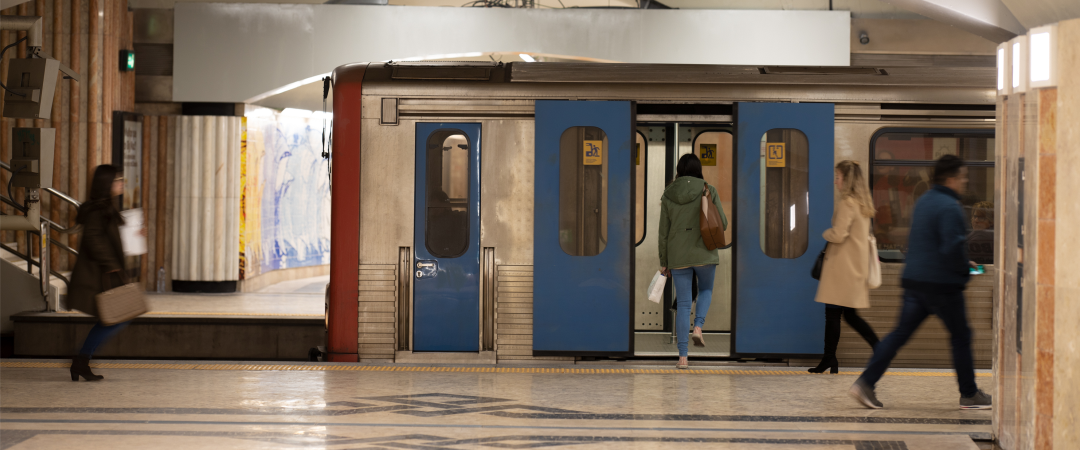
x=360, y=368
x=198, y=313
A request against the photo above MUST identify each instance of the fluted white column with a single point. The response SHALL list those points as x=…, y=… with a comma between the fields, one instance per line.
x=207, y=243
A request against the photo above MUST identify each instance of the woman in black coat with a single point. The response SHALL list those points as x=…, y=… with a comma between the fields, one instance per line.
x=100, y=265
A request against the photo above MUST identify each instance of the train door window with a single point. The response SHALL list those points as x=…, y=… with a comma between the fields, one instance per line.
x=447, y=233
x=583, y=165
x=641, y=165
x=714, y=149
x=902, y=171
x=785, y=195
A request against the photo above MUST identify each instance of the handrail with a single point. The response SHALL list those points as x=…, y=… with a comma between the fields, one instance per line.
x=34, y=263
x=54, y=192
x=57, y=243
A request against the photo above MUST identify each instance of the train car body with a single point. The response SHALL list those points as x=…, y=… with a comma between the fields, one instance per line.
x=489, y=212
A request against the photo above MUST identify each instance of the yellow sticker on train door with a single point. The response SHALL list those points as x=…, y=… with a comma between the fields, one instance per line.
x=594, y=153
x=775, y=154
x=708, y=154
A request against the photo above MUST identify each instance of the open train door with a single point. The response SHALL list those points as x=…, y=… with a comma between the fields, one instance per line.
x=583, y=229
x=784, y=202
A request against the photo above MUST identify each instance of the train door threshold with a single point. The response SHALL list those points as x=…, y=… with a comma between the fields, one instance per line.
x=653, y=343
x=445, y=357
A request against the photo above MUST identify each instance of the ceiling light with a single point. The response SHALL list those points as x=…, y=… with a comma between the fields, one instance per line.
x=526, y=58
x=1042, y=55
x=1016, y=65
x=1001, y=68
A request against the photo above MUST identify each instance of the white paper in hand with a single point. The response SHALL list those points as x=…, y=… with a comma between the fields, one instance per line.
x=656, y=287
x=131, y=233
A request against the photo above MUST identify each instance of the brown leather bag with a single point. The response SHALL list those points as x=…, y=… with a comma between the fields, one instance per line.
x=711, y=226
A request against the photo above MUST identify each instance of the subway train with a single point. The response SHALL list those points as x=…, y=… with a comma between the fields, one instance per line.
x=496, y=212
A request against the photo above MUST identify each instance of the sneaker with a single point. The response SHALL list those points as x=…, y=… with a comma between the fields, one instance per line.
x=980, y=400
x=864, y=395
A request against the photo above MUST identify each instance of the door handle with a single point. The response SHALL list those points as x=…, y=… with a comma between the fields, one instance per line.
x=426, y=269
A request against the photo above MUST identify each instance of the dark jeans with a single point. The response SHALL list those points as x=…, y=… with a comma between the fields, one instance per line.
x=99, y=335
x=917, y=306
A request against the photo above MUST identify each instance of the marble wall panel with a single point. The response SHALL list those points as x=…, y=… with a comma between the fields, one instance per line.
x=1067, y=243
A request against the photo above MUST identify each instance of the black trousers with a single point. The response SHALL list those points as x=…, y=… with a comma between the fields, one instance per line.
x=832, y=327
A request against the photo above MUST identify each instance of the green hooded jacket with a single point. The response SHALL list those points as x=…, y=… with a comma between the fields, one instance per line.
x=680, y=242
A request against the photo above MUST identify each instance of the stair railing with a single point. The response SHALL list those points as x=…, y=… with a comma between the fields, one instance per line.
x=45, y=238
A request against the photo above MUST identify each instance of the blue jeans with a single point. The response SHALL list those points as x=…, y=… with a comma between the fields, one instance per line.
x=99, y=335
x=684, y=295
x=917, y=306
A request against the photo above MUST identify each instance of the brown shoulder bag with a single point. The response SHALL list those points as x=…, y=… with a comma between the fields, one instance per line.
x=712, y=228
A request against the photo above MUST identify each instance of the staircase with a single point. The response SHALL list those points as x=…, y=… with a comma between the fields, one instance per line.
x=26, y=285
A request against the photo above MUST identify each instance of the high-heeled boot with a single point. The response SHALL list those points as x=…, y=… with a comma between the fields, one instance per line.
x=80, y=366
x=832, y=339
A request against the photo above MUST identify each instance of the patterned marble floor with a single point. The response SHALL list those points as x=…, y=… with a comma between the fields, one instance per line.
x=181, y=405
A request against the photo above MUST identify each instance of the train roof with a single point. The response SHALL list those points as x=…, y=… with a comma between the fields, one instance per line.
x=681, y=83
x=539, y=72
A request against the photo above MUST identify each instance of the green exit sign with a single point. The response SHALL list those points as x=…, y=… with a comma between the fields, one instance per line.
x=127, y=60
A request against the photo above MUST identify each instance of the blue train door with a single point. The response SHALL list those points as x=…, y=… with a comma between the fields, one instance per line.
x=583, y=228
x=784, y=194
x=446, y=289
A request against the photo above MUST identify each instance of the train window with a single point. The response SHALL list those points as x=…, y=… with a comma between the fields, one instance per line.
x=583, y=165
x=785, y=196
x=714, y=149
x=641, y=163
x=447, y=233
x=902, y=170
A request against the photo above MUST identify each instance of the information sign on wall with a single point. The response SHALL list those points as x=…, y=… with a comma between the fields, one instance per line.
x=594, y=153
x=132, y=164
x=775, y=154
x=708, y=154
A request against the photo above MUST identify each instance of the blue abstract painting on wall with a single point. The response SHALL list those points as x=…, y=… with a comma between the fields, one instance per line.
x=294, y=205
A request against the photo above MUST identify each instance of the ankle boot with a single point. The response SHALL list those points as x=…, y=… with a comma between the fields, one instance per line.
x=80, y=366
x=827, y=362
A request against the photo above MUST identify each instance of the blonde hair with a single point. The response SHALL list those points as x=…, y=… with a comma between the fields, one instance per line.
x=854, y=187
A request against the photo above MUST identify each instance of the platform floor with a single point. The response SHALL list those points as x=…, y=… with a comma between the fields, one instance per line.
x=171, y=405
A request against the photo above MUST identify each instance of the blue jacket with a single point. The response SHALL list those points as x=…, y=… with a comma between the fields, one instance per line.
x=937, y=259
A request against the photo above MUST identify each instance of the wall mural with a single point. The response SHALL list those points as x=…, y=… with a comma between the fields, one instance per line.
x=286, y=204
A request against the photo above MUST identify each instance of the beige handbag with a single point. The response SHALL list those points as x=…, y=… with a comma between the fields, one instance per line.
x=873, y=277
x=120, y=304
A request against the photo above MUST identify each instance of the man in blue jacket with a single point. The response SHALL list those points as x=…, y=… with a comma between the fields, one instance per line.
x=934, y=279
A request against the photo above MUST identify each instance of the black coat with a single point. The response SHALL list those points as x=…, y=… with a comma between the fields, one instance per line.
x=100, y=253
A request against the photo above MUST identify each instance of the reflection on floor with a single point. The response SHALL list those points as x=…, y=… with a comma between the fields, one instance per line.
x=661, y=344
x=226, y=405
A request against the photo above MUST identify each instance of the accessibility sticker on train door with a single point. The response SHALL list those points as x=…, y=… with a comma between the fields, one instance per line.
x=708, y=154
x=775, y=154
x=594, y=153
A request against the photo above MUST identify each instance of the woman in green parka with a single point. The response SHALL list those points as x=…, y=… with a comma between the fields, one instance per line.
x=683, y=251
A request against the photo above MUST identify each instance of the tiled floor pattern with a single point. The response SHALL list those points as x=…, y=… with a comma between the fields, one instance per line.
x=391, y=407
x=461, y=369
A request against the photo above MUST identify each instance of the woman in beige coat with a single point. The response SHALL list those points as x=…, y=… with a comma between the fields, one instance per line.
x=843, y=287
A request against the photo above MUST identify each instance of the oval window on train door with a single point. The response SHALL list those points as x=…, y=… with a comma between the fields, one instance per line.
x=583, y=163
x=785, y=194
x=714, y=149
x=447, y=194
